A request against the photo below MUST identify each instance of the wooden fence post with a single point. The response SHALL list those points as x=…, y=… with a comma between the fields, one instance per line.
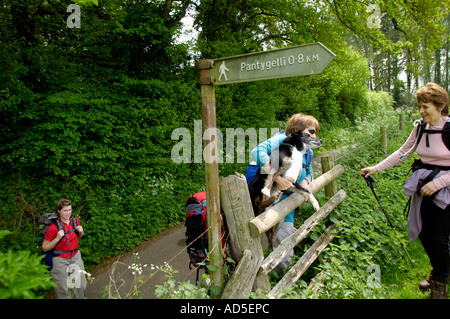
x=401, y=122
x=328, y=164
x=383, y=138
x=243, y=277
x=236, y=205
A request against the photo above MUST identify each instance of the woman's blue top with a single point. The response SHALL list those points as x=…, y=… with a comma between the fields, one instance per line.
x=261, y=154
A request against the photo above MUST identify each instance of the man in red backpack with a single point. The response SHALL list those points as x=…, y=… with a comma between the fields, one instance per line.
x=62, y=237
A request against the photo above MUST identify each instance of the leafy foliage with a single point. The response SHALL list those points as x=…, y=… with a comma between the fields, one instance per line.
x=22, y=275
x=87, y=112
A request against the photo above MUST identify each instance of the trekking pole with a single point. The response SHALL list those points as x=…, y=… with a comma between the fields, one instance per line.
x=369, y=180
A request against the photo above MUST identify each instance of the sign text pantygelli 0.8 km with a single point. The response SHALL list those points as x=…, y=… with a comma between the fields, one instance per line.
x=279, y=63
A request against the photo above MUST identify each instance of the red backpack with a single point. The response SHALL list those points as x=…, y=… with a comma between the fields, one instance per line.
x=196, y=231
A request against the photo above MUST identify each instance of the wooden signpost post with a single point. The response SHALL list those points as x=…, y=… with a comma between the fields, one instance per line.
x=274, y=64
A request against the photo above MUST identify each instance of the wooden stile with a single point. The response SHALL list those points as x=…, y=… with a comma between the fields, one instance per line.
x=276, y=213
x=294, y=274
x=278, y=254
x=245, y=229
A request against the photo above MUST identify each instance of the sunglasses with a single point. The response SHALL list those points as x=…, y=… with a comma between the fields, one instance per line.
x=312, y=131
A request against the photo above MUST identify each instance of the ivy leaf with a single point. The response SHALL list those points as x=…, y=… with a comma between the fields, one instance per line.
x=212, y=267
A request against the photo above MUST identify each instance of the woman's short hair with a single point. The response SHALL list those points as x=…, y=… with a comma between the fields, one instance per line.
x=434, y=93
x=299, y=122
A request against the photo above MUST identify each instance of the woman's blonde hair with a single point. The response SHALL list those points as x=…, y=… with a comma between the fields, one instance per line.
x=299, y=122
x=434, y=93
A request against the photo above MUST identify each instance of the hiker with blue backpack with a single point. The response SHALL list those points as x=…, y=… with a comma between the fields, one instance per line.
x=61, y=242
x=429, y=184
x=261, y=154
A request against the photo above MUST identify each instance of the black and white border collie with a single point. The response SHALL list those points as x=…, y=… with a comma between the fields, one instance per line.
x=287, y=161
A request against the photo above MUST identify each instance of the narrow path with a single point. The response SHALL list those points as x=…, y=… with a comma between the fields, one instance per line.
x=169, y=246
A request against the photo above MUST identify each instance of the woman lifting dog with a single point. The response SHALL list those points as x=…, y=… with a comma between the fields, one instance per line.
x=261, y=153
x=429, y=215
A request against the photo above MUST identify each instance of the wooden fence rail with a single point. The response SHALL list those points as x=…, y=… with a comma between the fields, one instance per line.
x=272, y=216
x=245, y=230
x=294, y=274
x=278, y=254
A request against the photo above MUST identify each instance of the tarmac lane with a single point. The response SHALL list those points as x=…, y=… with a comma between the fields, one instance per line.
x=116, y=276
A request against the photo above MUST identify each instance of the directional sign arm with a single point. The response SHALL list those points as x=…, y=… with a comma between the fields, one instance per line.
x=279, y=63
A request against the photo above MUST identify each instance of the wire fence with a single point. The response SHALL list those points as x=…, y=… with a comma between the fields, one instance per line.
x=358, y=149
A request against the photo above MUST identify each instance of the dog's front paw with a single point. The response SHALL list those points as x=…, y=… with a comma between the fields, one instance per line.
x=266, y=192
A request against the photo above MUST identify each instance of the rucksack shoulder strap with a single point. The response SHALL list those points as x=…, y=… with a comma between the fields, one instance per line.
x=445, y=132
x=420, y=128
x=74, y=225
x=58, y=223
x=309, y=157
x=74, y=222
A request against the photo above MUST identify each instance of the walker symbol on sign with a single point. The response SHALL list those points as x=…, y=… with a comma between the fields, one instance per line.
x=222, y=70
